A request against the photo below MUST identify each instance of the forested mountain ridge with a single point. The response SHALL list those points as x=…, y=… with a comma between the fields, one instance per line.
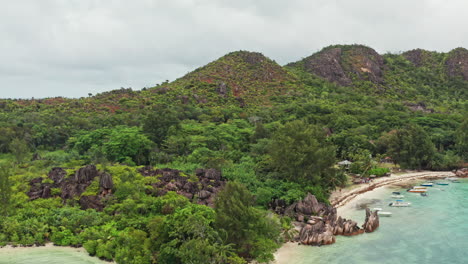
x=186, y=171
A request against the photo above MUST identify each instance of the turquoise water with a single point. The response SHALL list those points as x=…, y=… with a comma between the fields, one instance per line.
x=46, y=255
x=433, y=230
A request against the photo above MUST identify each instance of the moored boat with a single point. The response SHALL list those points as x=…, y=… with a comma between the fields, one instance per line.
x=442, y=183
x=387, y=214
x=396, y=193
x=427, y=184
x=417, y=190
x=399, y=203
x=419, y=187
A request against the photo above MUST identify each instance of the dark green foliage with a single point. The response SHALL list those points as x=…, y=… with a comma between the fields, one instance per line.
x=252, y=233
x=5, y=190
x=20, y=150
x=158, y=121
x=300, y=153
x=120, y=144
x=411, y=147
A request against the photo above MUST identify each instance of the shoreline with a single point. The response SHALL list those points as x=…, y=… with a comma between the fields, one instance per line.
x=9, y=249
x=342, y=197
x=342, y=200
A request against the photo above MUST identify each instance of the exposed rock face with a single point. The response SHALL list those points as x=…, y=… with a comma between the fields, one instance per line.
x=105, y=181
x=457, y=63
x=57, y=175
x=341, y=64
x=372, y=221
x=463, y=173
x=418, y=57
x=327, y=65
x=73, y=186
x=419, y=107
x=320, y=223
x=202, y=189
x=86, y=174
x=91, y=201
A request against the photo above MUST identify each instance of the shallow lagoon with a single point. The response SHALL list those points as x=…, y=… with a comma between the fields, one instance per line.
x=46, y=255
x=433, y=230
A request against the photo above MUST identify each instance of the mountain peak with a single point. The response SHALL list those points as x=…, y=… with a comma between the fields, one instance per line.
x=343, y=63
x=243, y=75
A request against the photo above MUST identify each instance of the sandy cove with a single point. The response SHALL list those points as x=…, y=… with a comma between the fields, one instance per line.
x=342, y=200
x=341, y=197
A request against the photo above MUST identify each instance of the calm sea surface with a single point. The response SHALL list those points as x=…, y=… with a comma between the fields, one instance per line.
x=433, y=230
x=46, y=255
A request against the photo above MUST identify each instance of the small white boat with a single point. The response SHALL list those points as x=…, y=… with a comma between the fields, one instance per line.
x=399, y=203
x=419, y=187
x=398, y=196
x=387, y=214
x=427, y=184
x=451, y=178
x=377, y=209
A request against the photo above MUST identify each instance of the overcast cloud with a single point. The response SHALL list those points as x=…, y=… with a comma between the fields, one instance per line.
x=75, y=47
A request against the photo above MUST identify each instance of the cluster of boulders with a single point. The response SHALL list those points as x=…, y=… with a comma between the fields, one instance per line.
x=73, y=186
x=201, y=189
x=462, y=173
x=320, y=223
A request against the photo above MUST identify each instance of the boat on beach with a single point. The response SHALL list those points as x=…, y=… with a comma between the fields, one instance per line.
x=399, y=203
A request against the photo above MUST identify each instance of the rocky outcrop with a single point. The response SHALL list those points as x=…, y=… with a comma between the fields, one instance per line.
x=462, y=173
x=105, y=181
x=86, y=174
x=320, y=222
x=91, y=202
x=202, y=189
x=57, y=175
x=372, y=221
x=342, y=64
x=73, y=186
x=457, y=63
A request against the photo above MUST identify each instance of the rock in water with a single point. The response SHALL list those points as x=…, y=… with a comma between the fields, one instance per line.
x=372, y=221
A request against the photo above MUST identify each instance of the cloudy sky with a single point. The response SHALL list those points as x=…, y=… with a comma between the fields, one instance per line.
x=75, y=47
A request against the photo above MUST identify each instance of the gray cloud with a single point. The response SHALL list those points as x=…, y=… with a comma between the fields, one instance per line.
x=75, y=47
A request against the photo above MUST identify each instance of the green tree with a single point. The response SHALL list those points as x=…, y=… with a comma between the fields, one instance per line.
x=252, y=232
x=189, y=237
x=462, y=140
x=20, y=149
x=157, y=123
x=5, y=190
x=411, y=147
x=300, y=153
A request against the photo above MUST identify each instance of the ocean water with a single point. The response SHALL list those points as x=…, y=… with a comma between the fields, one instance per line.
x=433, y=230
x=46, y=255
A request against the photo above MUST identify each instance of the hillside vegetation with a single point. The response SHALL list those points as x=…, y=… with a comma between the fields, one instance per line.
x=185, y=172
